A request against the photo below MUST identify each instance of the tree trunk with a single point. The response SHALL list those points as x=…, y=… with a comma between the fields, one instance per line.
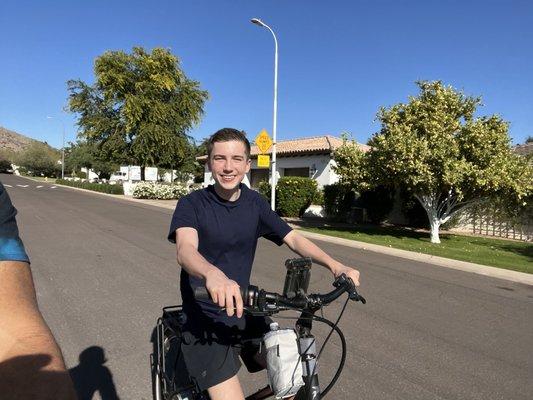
x=142, y=173
x=435, y=225
x=430, y=204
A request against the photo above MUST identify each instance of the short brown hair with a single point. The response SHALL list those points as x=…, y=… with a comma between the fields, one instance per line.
x=227, y=135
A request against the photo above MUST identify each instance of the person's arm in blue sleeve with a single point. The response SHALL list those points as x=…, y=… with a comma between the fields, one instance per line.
x=31, y=363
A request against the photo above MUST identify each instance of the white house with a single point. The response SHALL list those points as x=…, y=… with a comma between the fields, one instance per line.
x=311, y=157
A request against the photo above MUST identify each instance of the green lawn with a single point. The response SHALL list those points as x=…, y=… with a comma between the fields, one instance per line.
x=517, y=256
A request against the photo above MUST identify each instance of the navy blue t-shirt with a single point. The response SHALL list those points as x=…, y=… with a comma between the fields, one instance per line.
x=11, y=247
x=227, y=237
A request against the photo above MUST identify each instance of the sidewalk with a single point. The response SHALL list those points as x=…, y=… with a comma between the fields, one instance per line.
x=493, y=272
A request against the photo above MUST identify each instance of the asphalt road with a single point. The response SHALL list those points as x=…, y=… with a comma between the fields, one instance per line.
x=103, y=271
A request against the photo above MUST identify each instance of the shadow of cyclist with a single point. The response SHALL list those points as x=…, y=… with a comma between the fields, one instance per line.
x=91, y=376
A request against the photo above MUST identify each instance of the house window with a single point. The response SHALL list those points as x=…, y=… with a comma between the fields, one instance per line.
x=296, y=172
x=258, y=175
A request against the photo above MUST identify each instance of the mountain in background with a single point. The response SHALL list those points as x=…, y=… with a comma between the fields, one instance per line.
x=13, y=141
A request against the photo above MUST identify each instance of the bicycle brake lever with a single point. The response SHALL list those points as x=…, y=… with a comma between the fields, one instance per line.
x=356, y=296
x=352, y=291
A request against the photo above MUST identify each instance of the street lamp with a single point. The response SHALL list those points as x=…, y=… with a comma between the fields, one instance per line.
x=257, y=21
x=62, y=149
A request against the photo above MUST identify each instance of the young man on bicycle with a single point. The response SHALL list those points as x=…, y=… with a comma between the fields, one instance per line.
x=216, y=231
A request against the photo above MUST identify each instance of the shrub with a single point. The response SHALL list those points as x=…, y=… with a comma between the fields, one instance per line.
x=265, y=189
x=318, y=200
x=378, y=203
x=413, y=210
x=294, y=195
x=159, y=191
x=5, y=165
x=97, y=187
x=338, y=201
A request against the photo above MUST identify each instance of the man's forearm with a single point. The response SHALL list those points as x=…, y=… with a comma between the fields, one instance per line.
x=306, y=248
x=33, y=368
x=193, y=262
x=29, y=355
x=22, y=326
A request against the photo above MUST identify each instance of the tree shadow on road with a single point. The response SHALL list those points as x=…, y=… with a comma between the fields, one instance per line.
x=91, y=375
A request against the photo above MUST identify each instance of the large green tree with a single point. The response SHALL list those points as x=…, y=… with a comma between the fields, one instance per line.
x=140, y=107
x=84, y=154
x=435, y=147
x=40, y=159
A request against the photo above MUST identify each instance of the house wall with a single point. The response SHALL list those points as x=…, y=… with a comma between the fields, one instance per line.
x=322, y=163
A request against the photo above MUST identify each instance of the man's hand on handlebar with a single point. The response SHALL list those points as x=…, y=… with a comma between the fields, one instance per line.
x=351, y=273
x=224, y=291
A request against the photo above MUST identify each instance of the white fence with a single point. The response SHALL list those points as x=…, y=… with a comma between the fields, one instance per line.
x=490, y=226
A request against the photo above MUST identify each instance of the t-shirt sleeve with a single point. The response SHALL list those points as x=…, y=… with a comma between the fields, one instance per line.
x=184, y=216
x=11, y=247
x=271, y=226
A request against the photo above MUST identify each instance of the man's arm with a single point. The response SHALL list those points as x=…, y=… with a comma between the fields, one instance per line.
x=223, y=290
x=305, y=248
x=26, y=343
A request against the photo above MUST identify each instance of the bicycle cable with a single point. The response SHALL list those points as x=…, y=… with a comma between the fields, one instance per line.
x=343, y=341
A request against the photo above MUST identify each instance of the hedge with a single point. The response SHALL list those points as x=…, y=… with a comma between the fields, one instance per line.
x=159, y=191
x=378, y=203
x=96, y=187
x=338, y=201
x=294, y=195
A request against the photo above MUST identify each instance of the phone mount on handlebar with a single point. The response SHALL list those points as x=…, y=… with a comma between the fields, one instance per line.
x=298, y=276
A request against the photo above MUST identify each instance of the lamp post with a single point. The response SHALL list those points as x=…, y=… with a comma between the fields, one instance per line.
x=62, y=149
x=257, y=21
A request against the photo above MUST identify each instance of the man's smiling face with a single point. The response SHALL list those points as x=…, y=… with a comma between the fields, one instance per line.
x=228, y=164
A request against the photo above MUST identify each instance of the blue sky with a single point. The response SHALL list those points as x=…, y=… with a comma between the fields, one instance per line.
x=339, y=60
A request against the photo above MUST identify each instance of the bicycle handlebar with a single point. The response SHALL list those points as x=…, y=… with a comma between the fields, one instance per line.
x=259, y=300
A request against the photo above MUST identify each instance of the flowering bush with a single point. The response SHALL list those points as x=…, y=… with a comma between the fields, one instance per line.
x=158, y=191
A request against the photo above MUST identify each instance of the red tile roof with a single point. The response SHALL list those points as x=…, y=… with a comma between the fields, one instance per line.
x=311, y=145
x=524, y=149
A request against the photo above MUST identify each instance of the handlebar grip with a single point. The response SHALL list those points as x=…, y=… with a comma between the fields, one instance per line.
x=299, y=262
x=201, y=293
x=248, y=294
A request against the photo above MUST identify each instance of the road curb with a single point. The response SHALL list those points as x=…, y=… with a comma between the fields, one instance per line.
x=493, y=272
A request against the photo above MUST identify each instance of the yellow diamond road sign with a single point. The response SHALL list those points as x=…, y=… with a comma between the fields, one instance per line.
x=263, y=141
x=263, y=161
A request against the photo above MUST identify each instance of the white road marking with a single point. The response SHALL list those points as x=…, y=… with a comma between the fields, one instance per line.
x=24, y=186
x=53, y=187
x=40, y=186
x=6, y=185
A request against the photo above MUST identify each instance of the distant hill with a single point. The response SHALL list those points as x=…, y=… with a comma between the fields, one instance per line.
x=13, y=141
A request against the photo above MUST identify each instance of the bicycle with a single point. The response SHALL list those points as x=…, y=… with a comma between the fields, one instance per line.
x=171, y=379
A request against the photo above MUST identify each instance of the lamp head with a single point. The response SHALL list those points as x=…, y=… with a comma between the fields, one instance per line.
x=257, y=21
